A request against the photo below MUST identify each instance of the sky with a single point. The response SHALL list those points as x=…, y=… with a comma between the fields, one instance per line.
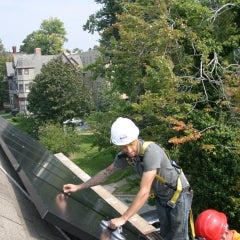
x=19, y=18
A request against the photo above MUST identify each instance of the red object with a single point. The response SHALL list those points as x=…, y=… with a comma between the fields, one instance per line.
x=211, y=225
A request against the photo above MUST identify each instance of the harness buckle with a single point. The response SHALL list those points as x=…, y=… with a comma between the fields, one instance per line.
x=152, y=196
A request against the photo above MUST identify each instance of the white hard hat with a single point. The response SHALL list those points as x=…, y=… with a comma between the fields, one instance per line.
x=123, y=131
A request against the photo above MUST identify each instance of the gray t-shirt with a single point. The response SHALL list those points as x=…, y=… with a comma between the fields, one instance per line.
x=154, y=158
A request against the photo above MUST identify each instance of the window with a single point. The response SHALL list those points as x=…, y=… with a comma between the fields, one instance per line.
x=26, y=71
x=19, y=71
x=27, y=88
x=20, y=88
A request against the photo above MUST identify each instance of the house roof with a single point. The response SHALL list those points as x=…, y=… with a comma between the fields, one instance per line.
x=36, y=61
x=89, y=57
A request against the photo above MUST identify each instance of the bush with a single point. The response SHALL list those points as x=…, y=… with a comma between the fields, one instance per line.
x=26, y=123
x=56, y=139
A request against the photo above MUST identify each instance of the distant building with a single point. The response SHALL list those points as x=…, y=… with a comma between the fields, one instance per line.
x=23, y=69
x=88, y=58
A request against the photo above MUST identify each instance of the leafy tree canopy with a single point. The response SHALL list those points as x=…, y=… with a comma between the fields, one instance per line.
x=50, y=38
x=58, y=93
x=104, y=18
x=4, y=96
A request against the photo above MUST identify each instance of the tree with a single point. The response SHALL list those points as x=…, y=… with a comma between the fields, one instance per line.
x=67, y=142
x=104, y=19
x=58, y=93
x=4, y=96
x=50, y=38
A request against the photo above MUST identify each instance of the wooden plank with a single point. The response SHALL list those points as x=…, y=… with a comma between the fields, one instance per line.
x=137, y=221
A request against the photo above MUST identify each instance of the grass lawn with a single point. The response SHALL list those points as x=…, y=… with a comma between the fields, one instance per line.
x=7, y=116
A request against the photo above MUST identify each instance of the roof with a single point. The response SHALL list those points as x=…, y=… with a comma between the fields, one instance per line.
x=35, y=61
x=89, y=57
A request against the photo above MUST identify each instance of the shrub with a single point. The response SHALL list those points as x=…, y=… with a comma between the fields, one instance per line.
x=56, y=139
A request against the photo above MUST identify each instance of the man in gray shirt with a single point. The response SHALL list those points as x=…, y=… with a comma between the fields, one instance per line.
x=158, y=174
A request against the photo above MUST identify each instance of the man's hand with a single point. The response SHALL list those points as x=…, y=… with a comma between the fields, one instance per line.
x=116, y=222
x=70, y=188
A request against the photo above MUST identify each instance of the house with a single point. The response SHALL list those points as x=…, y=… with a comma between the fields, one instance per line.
x=23, y=69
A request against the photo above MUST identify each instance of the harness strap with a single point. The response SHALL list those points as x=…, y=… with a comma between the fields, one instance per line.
x=173, y=200
x=192, y=225
x=144, y=146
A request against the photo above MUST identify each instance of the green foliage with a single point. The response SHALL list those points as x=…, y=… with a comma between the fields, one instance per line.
x=50, y=38
x=104, y=18
x=27, y=124
x=212, y=164
x=105, y=98
x=84, y=157
x=4, y=96
x=101, y=121
x=58, y=93
x=54, y=138
x=136, y=63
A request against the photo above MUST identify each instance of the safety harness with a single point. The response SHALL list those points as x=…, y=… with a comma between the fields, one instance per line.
x=178, y=189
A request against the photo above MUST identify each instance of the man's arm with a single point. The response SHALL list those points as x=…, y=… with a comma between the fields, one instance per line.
x=97, y=179
x=138, y=202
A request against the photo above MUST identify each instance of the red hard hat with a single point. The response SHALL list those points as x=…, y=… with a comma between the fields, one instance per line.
x=211, y=225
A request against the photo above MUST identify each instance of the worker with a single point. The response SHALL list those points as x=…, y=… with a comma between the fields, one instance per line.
x=174, y=211
x=212, y=225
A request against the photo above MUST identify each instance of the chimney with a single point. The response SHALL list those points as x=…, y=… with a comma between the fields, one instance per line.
x=37, y=51
x=14, y=49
